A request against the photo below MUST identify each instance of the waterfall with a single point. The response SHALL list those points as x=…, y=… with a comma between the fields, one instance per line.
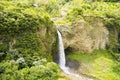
x=62, y=60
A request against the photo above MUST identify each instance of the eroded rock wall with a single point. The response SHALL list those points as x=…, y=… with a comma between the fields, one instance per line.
x=85, y=35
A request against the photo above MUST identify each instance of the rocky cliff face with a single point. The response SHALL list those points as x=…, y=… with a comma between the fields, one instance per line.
x=85, y=35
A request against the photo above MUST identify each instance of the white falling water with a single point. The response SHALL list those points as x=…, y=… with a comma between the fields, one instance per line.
x=62, y=60
x=61, y=51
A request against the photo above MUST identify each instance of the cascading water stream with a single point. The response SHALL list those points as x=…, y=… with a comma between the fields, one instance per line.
x=62, y=60
x=61, y=51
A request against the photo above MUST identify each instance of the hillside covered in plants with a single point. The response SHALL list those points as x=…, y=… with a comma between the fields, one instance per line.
x=29, y=48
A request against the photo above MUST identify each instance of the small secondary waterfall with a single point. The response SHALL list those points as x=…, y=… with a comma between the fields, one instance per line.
x=62, y=60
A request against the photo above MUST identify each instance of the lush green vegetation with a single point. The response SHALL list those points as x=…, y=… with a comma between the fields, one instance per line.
x=108, y=12
x=40, y=71
x=28, y=38
x=22, y=45
x=20, y=23
x=100, y=64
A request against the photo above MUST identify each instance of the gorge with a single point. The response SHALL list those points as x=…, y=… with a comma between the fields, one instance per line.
x=84, y=46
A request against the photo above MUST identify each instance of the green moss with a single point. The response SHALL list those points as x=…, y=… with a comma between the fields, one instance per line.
x=99, y=64
x=89, y=57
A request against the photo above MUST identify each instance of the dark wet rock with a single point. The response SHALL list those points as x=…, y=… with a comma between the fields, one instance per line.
x=72, y=64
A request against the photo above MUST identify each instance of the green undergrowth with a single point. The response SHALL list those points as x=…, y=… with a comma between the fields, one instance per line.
x=40, y=71
x=77, y=9
x=100, y=64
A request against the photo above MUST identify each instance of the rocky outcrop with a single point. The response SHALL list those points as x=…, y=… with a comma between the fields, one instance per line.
x=85, y=35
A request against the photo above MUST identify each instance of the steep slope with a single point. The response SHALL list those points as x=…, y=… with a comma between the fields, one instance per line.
x=25, y=31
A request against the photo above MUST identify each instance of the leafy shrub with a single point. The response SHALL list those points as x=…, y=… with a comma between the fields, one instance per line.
x=10, y=70
x=112, y=22
x=48, y=72
x=3, y=47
